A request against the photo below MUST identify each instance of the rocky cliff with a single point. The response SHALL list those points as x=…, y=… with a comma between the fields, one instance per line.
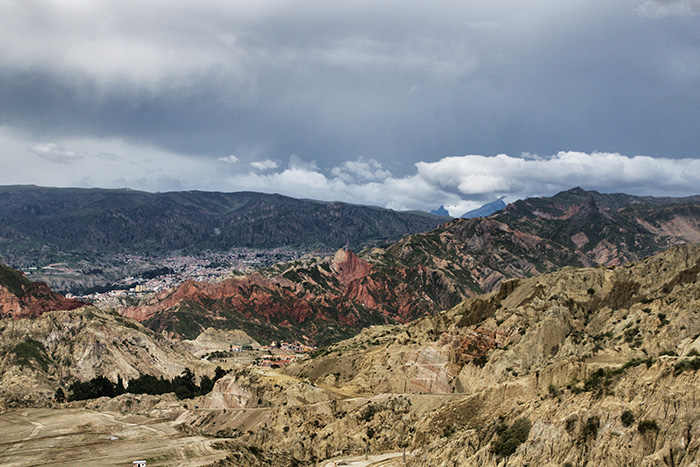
x=584, y=367
x=324, y=300
x=319, y=301
x=39, y=355
x=22, y=298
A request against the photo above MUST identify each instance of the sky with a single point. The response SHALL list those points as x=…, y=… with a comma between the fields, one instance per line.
x=401, y=104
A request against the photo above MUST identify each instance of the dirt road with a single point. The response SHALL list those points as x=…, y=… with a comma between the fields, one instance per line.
x=65, y=437
x=389, y=459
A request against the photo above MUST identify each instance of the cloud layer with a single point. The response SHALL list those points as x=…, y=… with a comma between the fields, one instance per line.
x=383, y=97
x=461, y=183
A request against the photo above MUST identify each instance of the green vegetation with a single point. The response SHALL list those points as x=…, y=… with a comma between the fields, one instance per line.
x=590, y=429
x=553, y=391
x=183, y=386
x=29, y=350
x=687, y=364
x=481, y=361
x=627, y=418
x=59, y=395
x=647, y=425
x=13, y=280
x=510, y=437
x=601, y=379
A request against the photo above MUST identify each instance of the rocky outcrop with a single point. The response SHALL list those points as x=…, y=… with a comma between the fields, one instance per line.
x=597, y=366
x=39, y=355
x=319, y=301
x=21, y=298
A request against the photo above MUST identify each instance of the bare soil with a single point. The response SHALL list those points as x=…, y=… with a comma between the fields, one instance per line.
x=51, y=437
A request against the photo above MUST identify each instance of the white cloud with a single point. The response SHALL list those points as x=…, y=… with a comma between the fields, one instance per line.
x=467, y=182
x=266, y=164
x=230, y=159
x=459, y=183
x=663, y=8
x=361, y=169
x=519, y=177
x=55, y=153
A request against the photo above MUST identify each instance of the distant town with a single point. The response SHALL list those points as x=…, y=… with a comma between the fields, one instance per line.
x=275, y=355
x=142, y=274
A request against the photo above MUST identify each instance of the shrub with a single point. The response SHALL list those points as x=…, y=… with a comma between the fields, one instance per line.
x=627, y=418
x=647, y=425
x=481, y=361
x=29, y=350
x=59, y=395
x=510, y=437
x=687, y=364
x=590, y=429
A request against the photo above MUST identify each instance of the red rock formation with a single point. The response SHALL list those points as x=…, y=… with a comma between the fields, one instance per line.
x=344, y=291
x=35, y=299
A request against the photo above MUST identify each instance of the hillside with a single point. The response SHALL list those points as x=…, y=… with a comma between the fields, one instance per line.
x=608, y=228
x=22, y=298
x=592, y=366
x=324, y=300
x=68, y=220
x=37, y=356
x=319, y=301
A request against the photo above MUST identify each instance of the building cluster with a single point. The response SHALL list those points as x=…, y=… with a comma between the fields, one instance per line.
x=282, y=359
x=177, y=269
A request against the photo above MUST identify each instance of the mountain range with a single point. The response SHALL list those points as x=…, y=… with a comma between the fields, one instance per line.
x=36, y=222
x=325, y=299
x=583, y=350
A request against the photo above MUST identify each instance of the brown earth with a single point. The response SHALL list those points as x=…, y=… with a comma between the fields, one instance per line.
x=21, y=298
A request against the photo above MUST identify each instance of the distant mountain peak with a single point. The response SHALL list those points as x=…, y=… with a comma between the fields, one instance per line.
x=441, y=211
x=486, y=209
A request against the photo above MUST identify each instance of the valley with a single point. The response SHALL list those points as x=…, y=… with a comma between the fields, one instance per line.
x=558, y=331
x=66, y=436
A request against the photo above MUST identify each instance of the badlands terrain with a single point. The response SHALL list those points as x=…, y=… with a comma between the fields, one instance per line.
x=542, y=335
x=592, y=366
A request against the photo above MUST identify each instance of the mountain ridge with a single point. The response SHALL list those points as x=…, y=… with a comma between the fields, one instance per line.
x=22, y=298
x=432, y=271
x=68, y=219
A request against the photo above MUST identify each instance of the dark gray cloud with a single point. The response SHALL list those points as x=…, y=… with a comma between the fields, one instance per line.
x=361, y=91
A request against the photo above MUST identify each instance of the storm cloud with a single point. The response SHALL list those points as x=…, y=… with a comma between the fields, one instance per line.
x=365, y=102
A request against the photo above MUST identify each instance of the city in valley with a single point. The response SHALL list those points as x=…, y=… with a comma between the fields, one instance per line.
x=128, y=275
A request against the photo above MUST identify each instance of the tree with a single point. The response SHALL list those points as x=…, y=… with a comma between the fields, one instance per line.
x=206, y=385
x=185, y=387
x=59, y=396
